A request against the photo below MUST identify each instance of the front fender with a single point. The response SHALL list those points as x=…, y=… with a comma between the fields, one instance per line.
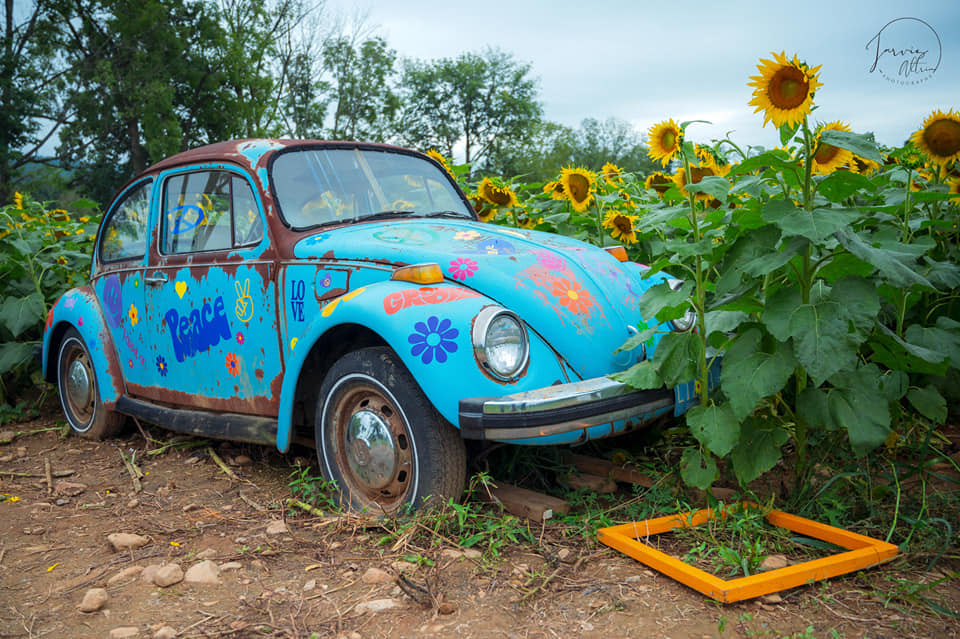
x=80, y=309
x=429, y=328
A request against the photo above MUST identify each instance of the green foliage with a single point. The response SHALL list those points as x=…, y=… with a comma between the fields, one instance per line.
x=313, y=490
x=45, y=253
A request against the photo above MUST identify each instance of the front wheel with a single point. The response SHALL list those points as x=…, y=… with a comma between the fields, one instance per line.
x=79, y=395
x=381, y=440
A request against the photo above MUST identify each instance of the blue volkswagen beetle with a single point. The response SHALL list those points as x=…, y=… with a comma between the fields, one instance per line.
x=346, y=296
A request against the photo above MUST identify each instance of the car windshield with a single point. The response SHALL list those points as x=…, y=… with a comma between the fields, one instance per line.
x=340, y=185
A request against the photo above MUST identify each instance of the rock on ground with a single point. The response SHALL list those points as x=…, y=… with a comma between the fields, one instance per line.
x=376, y=576
x=277, y=528
x=168, y=575
x=126, y=541
x=126, y=573
x=206, y=572
x=124, y=632
x=94, y=599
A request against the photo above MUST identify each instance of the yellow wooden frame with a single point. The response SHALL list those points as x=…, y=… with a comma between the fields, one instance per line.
x=863, y=552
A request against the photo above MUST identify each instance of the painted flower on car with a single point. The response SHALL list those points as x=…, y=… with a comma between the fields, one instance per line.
x=433, y=339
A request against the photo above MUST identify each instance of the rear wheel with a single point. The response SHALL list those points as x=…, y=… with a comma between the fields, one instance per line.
x=79, y=395
x=380, y=439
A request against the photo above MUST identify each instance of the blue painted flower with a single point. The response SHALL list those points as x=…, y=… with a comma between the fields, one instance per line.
x=433, y=340
x=162, y=365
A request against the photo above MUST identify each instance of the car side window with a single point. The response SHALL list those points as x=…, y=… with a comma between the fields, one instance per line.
x=209, y=211
x=124, y=234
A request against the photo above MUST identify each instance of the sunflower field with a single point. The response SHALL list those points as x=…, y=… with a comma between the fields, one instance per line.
x=823, y=272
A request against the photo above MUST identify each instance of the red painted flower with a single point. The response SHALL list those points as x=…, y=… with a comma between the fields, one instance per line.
x=571, y=295
x=233, y=366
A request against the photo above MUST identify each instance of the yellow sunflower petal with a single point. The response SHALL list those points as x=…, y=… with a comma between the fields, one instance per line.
x=784, y=90
x=826, y=157
x=666, y=138
x=579, y=185
x=940, y=136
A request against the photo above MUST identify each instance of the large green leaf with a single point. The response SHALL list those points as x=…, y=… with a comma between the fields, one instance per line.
x=814, y=225
x=890, y=263
x=716, y=427
x=758, y=450
x=13, y=354
x=660, y=296
x=642, y=376
x=938, y=339
x=857, y=404
x=684, y=248
x=842, y=184
x=859, y=302
x=696, y=470
x=750, y=372
x=929, y=403
x=713, y=185
x=676, y=357
x=862, y=144
x=637, y=340
x=748, y=247
x=21, y=313
x=901, y=355
x=724, y=321
x=822, y=341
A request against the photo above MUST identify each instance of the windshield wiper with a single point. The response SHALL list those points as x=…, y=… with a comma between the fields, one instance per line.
x=448, y=214
x=383, y=214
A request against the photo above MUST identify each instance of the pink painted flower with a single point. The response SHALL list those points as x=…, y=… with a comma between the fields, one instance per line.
x=462, y=268
x=240, y=338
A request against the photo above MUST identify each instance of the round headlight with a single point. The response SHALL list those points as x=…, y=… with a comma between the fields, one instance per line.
x=500, y=343
x=689, y=318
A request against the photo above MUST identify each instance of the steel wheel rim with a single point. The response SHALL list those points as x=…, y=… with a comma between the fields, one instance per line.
x=79, y=386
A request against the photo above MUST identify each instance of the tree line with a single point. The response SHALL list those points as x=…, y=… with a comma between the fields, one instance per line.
x=116, y=85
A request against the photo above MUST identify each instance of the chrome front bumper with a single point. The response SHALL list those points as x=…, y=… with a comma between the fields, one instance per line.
x=559, y=409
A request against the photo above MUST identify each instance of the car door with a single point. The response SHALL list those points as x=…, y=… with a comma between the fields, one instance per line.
x=210, y=296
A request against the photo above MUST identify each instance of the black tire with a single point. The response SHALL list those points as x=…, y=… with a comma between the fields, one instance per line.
x=79, y=395
x=416, y=457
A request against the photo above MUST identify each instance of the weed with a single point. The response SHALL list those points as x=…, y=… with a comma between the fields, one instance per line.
x=315, y=491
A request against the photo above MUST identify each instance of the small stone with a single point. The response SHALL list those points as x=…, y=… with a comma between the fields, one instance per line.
x=133, y=503
x=207, y=553
x=376, y=576
x=124, y=632
x=310, y=585
x=62, y=501
x=230, y=565
x=206, y=572
x=168, y=575
x=772, y=598
x=94, y=600
x=6, y=457
x=564, y=554
x=7, y=436
x=277, y=527
x=378, y=605
x=123, y=575
x=190, y=461
x=69, y=488
x=164, y=632
x=446, y=608
x=20, y=452
x=242, y=460
x=149, y=573
x=451, y=553
x=472, y=553
x=773, y=562
x=127, y=541
x=190, y=507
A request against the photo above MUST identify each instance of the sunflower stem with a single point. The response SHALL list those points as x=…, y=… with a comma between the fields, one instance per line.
x=699, y=292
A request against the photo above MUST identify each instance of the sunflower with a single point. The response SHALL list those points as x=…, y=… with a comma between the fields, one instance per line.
x=484, y=213
x=612, y=173
x=826, y=157
x=659, y=182
x=496, y=194
x=579, y=185
x=863, y=166
x=940, y=136
x=621, y=226
x=784, y=90
x=666, y=138
x=436, y=155
x=909, y=156
x=18, y=200
x=697, y=173
x=954, y=188
x=555, y=189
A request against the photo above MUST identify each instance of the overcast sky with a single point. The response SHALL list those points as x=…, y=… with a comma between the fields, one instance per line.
x=644, y=62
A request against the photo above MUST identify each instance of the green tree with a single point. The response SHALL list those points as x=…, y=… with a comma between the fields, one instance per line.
x=365, y=103
x=30, y=80
x=474, y=100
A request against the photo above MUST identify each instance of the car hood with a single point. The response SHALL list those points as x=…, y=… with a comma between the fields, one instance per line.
x=579, y=298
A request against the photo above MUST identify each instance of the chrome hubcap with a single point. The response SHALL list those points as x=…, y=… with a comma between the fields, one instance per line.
x=370, y=450
x=78, y=384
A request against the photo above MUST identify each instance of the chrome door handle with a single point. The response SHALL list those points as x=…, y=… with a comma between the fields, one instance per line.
x=157, y=278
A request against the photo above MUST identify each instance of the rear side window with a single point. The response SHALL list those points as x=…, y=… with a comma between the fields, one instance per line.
x=124, y=234
x=209, y=211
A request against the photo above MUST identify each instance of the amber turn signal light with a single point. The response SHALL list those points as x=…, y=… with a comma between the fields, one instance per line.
x=427, y=273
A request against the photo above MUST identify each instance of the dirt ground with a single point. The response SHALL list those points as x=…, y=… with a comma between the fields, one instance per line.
x=329, y=577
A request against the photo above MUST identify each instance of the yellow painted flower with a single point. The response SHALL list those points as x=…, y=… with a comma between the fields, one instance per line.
x=17, y=200
x=784, y=90
x=826, y=157
x=659, y=182
x=940, y=136
x=666, y=138
x=555, y=189
x=621, y=226
x=579, y=185
x=134, y=315
x=612, y=173
x=436, y=155
x=496, y=194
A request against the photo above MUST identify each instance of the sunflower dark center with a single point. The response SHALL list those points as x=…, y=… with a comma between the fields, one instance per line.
x=579, y=187
x=668, y=140
x=825, y=153
x=943, y=137
x=788, y=88
x=623, y=224
x=499, y=196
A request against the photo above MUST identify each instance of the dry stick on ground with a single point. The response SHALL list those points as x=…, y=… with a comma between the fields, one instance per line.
x=134, y=471
x=57, y=473
x=219, y=462
x=49, y=474
x=550, y=578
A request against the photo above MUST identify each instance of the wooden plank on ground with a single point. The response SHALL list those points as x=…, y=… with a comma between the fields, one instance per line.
x=604, y=468
x=528, y=504
x=602, y=485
